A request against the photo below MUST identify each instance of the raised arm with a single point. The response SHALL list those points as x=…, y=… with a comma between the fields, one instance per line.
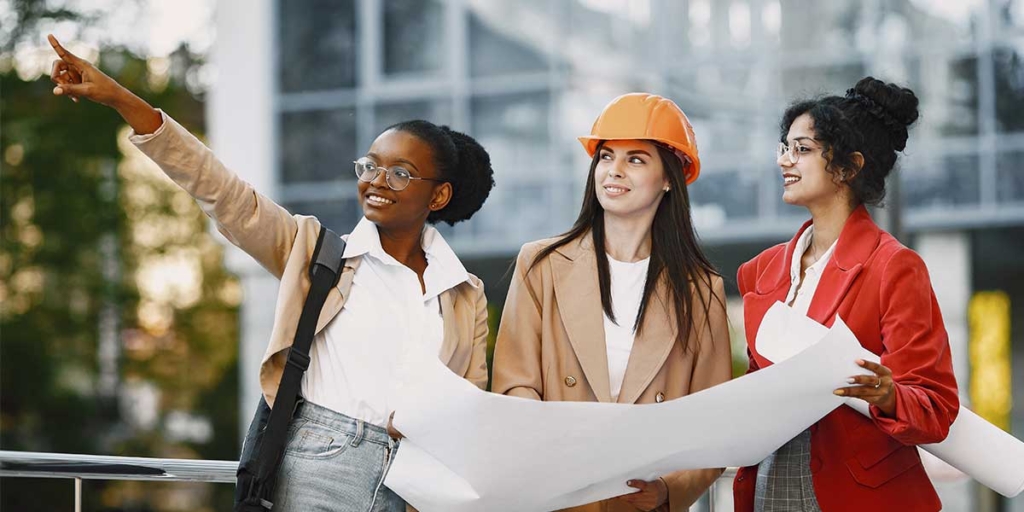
x=254, y=223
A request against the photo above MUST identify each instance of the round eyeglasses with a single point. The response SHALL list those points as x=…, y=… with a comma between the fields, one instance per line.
x=793, y=152
x=397, y=177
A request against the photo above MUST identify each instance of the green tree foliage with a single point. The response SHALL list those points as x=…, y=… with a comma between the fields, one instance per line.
x=70, y=181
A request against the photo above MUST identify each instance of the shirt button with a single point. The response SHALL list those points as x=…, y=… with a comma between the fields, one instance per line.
x=659, y=398
x=570, y=381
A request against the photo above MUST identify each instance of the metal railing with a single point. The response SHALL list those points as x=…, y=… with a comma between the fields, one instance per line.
x=103, y=467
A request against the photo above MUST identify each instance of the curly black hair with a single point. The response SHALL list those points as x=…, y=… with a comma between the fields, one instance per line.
x=872, y=119
x=461, y=161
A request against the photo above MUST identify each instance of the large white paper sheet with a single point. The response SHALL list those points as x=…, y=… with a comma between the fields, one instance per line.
x=974, y=446
x=470, y=450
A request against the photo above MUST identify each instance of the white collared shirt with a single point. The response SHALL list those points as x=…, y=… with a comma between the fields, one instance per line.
x=627, y=290
x=386, y=324
x=800, y=295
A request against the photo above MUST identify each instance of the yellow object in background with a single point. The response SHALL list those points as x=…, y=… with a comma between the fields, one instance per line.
x=988, y=315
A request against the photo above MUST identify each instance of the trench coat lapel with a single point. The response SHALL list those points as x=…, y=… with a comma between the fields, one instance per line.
x=651, y=346
x=579, y=301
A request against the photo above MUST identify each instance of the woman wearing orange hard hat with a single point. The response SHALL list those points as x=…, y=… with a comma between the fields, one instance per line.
x=624, y=307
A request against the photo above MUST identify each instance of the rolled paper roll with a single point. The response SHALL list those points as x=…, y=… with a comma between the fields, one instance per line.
x=974, y=446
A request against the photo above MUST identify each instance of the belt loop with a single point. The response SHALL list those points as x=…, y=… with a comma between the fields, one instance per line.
x=358, y=438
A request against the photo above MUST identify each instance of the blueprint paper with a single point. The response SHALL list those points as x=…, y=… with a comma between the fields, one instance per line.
x=976, y=447
x=465, y=449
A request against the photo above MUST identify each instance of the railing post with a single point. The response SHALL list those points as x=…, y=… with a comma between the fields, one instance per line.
x=78, y=495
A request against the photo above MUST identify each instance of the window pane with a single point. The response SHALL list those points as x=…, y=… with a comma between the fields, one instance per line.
x=317, y=44
x=318, y=145
x=808, y=82
x=940, y=182
x=339, y=215
x=868, y=26
x=413, y=36
x=437, y=112
x=1010, y=177
x=501, y=42
x=1009, y=87
x=948, y=93
x=514, y=130
x=611, y=37
x=724, y=195
x=1010, y=14
x=809, y=25
x=724, y=105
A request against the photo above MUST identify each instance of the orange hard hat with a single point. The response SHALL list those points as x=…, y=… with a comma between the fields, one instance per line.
x=647, y=116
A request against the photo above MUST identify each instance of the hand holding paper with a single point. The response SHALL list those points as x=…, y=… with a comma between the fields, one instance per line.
x=974, y=446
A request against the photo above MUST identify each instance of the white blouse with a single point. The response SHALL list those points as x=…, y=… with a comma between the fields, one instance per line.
x=800, y=295
x=387, y=324
x=627, y=290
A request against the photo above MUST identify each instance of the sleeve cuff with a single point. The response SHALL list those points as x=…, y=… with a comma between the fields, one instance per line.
x=142, y=139
x=892, y=426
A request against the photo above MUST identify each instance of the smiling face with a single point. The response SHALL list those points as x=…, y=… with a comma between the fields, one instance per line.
x=629, y=178
x=808, y=182
x=407, y=208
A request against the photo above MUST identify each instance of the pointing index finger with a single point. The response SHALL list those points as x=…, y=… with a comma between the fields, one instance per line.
x=65, y=55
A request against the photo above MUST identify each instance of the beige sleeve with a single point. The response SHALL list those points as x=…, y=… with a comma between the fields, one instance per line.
x=517, y=351
x=477, y=373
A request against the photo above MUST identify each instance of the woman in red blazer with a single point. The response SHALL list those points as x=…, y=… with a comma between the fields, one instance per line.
x=835, y=155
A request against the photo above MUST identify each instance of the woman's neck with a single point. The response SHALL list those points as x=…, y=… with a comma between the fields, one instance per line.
x=627, y=240
x=828, y=221
x=405, y=246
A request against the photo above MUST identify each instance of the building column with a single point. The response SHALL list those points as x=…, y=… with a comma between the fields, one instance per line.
x=241, y=129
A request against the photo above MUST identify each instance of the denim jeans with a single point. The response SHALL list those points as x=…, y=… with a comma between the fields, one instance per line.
x=334, y=463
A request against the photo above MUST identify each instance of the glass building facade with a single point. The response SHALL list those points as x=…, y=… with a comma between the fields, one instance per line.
x=526, y=77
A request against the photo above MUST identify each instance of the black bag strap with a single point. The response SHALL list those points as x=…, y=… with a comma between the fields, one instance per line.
x=325, y=267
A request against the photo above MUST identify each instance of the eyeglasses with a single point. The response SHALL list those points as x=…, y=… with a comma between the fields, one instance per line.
x=397, y=177
x=793, y=152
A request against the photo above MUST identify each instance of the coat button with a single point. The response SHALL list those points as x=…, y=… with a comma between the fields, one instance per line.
x=660, y=397
x=570, y=381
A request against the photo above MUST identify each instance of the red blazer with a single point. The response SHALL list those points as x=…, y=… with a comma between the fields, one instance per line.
x=882, y=291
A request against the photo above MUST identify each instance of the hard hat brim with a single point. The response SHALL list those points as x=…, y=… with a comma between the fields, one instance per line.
x=692, y=171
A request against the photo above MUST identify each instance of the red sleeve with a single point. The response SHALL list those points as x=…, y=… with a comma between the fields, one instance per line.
x=745, y=282
x=917, y=351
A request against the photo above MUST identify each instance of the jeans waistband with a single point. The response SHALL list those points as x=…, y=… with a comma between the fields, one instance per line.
x=358, y=429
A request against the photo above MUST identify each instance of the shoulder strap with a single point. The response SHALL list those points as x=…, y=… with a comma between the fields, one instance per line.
x=325, y=267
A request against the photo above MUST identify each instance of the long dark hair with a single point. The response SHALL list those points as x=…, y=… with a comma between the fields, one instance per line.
x=675, y=251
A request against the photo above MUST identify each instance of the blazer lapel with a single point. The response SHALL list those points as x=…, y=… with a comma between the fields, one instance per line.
x=772, y=286
x=337, y=296
x=858, y=239
x=451, y=336
x=579, y=302
x=651, y=346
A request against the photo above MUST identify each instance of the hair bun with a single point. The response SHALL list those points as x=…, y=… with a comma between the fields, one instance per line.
x=894, y=106
x=476, y=176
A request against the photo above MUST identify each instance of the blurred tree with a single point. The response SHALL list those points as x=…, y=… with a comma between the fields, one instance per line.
x=89, y=224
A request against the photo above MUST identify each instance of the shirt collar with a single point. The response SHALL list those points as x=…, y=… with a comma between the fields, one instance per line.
x=801, y=245
x=444, y=269
x=365, y=239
